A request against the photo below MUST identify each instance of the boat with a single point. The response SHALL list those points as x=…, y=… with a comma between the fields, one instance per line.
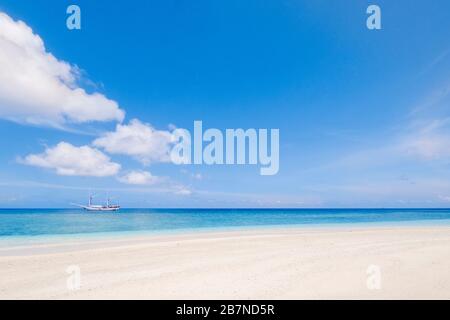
x=96, y=207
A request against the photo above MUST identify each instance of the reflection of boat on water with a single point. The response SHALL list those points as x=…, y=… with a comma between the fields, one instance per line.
x=97, y=207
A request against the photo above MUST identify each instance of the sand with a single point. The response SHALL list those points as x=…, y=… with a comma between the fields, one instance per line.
x=294, y=263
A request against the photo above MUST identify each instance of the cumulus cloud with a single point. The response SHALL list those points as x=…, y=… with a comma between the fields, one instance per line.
x=69, y=160
x=138, y=140
x=139, y=178
x=37, y=88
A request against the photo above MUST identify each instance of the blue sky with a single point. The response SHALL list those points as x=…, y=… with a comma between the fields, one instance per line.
x=364, y=115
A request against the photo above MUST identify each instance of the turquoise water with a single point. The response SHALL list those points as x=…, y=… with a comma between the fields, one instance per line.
x=38, y=222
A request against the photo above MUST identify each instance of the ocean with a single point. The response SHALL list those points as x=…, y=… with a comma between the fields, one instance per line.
x=54, y=222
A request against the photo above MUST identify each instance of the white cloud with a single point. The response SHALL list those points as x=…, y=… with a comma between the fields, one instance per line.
x=444, y=198
x=69, y=160
x=196, y=176
x=37, y=88
x=182, y=191
x=139, y=178
x=145, y=178
x=138, y=140
x=429, y=147
x=429, y=141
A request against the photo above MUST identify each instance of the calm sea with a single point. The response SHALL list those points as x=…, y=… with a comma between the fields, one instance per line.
x=33, y=222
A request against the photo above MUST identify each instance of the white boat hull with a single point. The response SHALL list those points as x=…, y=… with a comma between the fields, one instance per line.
x=101, y=209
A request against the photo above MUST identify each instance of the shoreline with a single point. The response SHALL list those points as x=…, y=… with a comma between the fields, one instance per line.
x=20, y=240
x=290, y=263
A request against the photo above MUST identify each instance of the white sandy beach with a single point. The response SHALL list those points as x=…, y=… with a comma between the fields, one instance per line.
x=414, y=263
